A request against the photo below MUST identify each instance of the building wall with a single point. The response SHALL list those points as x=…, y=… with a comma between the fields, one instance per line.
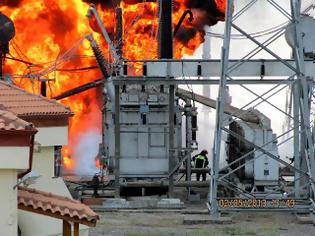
x=14, y=157
x=8, y=202
x=38, y=225
x=45, y=140
x=52, y=136
x=43, y=164
x=43, y=161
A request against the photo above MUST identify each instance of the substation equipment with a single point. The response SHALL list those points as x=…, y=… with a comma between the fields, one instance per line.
x=252, y=170
x=142, y=117
x=7, y=33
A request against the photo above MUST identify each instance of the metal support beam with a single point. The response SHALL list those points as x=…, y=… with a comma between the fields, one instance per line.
x=296, y=140
x=220, y=110
x=265, y=48
x=211, y=68
x=188, y=108
x=306, y=142
x=244, y=9
x=159, y=183
x=280, y=9
x=161, y=80
x=117, y=142
x=171, y=140
x=228, y=109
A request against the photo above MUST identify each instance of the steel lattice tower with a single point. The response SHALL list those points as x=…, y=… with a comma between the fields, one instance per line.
x=300, y=79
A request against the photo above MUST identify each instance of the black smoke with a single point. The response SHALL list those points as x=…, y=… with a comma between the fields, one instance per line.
x=105, y=4
x=209, y=6
x=11, y=3
x=205, y=14
x=59, y=21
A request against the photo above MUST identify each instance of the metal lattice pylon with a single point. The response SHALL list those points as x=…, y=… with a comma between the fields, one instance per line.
x=304, y=163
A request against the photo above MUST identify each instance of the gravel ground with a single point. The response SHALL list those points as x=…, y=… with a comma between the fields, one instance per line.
x=171, y=224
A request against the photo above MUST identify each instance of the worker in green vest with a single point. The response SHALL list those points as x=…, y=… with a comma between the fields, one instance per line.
x=201, y=161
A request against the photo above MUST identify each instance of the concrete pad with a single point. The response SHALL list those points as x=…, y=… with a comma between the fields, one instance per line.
x=170, y=203
x=142, y=198
x=194, y=197
x=114, y=203
x=143, y=203
x=304, y=219
x=205, y=219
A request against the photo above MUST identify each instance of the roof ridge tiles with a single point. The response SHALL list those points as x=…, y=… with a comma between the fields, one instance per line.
x=56, y=204
x=28, y=93
x=10, y=122
x=36, y=104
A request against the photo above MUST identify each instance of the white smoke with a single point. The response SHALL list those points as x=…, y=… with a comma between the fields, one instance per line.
x=85, y=151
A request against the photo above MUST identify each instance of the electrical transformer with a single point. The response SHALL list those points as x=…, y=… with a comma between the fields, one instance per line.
x=144, y=132
x=257, y=168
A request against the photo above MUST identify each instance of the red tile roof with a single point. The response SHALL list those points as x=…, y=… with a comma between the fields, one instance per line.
x=56, y=206
x=10, y=122
x=25, y=104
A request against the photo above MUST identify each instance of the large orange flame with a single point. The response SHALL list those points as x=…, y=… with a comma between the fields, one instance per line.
x=49, y=35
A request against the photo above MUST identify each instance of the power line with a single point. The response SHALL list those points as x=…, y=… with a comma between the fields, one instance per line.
x=61, y=70
x=254, y=34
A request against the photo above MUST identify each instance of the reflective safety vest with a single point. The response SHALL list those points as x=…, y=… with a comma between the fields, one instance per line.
x=199, y=161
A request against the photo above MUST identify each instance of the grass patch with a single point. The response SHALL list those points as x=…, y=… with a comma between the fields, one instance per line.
x=150, y=234
x=245, y=230
x=239, y=231
x=192, y=233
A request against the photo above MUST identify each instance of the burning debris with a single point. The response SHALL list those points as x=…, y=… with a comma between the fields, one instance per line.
x=46, y=50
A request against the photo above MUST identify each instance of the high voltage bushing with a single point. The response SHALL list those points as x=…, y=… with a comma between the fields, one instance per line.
x=98, y=55
x=118, y=33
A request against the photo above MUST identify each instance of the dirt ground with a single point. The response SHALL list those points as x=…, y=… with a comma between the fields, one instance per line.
x=171, y=224
x=165, y=223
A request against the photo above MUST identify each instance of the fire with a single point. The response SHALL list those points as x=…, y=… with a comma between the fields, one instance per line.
x=49, y=35
x=220, y=5
x=98, y=163
x=67, y=161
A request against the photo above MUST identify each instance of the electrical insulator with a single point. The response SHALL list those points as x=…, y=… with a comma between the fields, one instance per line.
x=100, y=60
x=99, y=56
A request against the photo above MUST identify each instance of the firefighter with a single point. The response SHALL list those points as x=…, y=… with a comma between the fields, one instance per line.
x=201, y=161
x=95, y=184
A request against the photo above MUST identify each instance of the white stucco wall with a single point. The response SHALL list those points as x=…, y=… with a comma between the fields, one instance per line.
x=8, y=202
x=14, y=157
x=46, y=138
x=43, y=161
x=52, y=136
x=38, y=225
x=43, y=164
